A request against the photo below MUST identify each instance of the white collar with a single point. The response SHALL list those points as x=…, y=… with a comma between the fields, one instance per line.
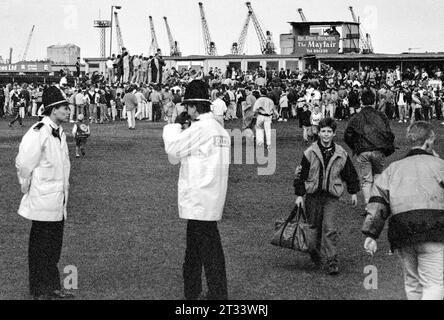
x=47, y=120
x=205, y=116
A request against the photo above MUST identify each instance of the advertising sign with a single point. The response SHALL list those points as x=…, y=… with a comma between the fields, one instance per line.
x=25, y=67
x=317, y=44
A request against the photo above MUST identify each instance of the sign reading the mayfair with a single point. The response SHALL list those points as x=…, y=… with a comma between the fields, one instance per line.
x=317, y=44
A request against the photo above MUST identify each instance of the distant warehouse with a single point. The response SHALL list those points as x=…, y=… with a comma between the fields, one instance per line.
x=63, y=54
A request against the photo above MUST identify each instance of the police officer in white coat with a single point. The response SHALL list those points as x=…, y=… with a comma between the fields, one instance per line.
x=204, y=152
x=43, y=171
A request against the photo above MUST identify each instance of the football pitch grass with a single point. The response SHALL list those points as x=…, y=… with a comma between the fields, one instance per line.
x=125, y=238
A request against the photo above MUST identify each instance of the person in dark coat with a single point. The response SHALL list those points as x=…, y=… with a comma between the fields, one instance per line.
x=369, y=135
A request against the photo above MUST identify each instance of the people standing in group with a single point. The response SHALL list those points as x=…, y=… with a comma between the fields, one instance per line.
x=409, y=193
x=43, y=169
x=369, y=135
x=204, y=151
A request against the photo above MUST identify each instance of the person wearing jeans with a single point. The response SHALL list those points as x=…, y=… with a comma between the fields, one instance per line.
x=370, y=164
x=409, y=193
x=369, y=135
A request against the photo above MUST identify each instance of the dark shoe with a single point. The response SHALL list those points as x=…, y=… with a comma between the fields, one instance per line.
x=59, y=294
x=41, y=297
x=333, y=269
x=316, y=258
x=83, y=152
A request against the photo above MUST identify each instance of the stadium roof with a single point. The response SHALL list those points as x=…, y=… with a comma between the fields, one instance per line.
x=322, y=23
x=382, y=56
x=233, y=57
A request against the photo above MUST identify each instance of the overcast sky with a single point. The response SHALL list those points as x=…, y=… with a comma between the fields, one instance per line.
x=395, y=25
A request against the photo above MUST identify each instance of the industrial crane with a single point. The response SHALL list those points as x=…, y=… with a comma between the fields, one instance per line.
x=301, y=13
x=120, y=44
x=25, y=53
x=154, y=44
x=366, y=46
x=174, y=45
x=238, y=47
x=265, y=40
x=210, y=46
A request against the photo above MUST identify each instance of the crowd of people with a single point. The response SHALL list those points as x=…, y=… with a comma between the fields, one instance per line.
x=414, y=94
x=196, y=105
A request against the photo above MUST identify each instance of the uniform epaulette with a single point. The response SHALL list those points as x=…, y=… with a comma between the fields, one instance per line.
x=38, y=126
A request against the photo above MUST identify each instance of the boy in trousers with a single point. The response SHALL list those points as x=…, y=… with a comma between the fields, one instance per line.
x=324, y=171
x=81, y=132
x=43, y=172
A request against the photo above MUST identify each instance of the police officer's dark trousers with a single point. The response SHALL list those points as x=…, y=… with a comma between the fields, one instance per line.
x=45, y=246
x=204, y=249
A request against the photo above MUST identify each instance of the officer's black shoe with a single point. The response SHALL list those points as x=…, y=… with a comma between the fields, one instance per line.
x=316, y=258
x=61, y=295
x=333, y=269
x=41, y=297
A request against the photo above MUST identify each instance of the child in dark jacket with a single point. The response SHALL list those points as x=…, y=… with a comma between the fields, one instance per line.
x=321, y=178
x=305, y=121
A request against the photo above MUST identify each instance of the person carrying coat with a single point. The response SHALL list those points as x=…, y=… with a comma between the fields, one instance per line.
x=43, y=169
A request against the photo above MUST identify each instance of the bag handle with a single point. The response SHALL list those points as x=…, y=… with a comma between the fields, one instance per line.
x=300, y=212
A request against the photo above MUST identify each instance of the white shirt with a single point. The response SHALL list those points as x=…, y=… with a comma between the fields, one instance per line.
x=109, y=64
x=43, y=170
x=316, y=118
x=218, y=107
x=204, y=153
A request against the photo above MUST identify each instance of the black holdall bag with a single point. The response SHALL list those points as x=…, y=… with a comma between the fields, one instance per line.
x=294, y=232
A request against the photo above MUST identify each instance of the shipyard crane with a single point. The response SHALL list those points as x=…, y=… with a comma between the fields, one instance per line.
x=25, y=53
x=366, y=47
x=210, y=46
x=238, y=47
x=301, y=13
x=154, y=44
x=174, y=45
x=120, y=44
x=265, y=40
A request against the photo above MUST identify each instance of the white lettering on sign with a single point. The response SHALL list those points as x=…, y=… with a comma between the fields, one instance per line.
x=317, y=44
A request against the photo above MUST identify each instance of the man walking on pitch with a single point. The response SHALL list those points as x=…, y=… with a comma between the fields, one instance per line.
x=204, y=153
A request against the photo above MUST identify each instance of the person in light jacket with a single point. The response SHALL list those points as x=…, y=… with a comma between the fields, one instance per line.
x=410, y=194
x=204, y=152
x=43, y=168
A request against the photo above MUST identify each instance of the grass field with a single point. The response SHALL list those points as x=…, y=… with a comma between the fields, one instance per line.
x=124, y=235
